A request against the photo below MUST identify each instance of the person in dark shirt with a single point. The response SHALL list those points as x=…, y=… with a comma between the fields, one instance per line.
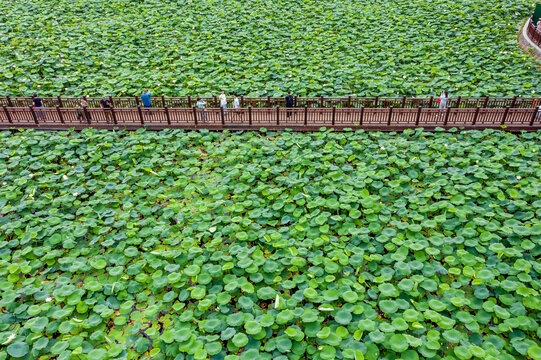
x=38, y=105
x=146, y=101
x=289, y=102
x=106, y=105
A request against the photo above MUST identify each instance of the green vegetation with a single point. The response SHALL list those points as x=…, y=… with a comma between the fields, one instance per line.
x=200, y=245
x=348, y=47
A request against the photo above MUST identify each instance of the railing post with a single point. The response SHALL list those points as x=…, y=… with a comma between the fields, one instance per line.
x=376, y=101
x=277, y=115
x=8, y=115
x=506, y=112
x=476, y=115
x=113, y=114
x=534, y=115
x=458, y=102
x=403, y=101
x=33, y=114
x=215, y=101
x=321, y=101
x=85, y=111
x=349, y=101
x=8, y=98
x=59, y=101
x=390, y=116
x=167, y=115
x=486, y=102
x=60, y=114
x=163, y=101
x=431, y=102
x=111, y=100
x=295, y=101
x=513, y=103
x=268, y=101
x=305, y=115
x=418, y=118
x=333, y=115
x=140, y=115
x=222, y=115
x=250, y=115
x=136, y=100
x=242, y=101
x=362, y=116
x=195, y=115
x=447, y=112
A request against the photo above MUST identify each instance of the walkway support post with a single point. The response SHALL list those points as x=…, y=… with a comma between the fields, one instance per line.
x=195, y=115
x=8, y=115
x=476, y=116
x=418, y=117
x=60, y=114
x=167, y=115
x=33, y=114
x=506, y=112
x=534, y=115
x=447, y=112
x=140, y=115
x=390, y=116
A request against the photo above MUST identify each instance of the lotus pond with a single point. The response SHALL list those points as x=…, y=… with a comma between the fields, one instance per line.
x=265, y=47
x=242, y=246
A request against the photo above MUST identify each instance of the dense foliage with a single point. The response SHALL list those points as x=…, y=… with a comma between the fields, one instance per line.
x=196, y=245
x=265, y=47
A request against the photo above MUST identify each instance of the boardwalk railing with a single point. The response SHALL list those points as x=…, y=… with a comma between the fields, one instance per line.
x=533, y=33
x=298, y=118
x=271, y=102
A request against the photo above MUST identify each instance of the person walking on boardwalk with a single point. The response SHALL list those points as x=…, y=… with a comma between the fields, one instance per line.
x=201, y=106
x=236, y=105
x=37, y=102
x=223, y=102
x=146, y=101
x=106, y=105
x=81, y=113
x=443, y=99
x=289, y=102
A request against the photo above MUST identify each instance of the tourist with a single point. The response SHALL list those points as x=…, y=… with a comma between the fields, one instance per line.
x=223, y=102
x=201, y=106
x=289, y=102
x=443, y=99
x=81, y=113
x=236, y=105
x=146, y=101
x=37, y=102
x=106, y=105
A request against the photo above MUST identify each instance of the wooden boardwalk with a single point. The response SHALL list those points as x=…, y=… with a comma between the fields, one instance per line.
x=299, y=118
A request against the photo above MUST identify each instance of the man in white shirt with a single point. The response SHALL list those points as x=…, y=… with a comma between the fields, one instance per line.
x=223, y=102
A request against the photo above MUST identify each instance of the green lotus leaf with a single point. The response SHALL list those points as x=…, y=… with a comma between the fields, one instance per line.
x=534, y=351
x=388, y=306
x=240, y=340
x=398, y=343
x=97, y=354
x=18, y=349
x=283, y=344
x=252, y=327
